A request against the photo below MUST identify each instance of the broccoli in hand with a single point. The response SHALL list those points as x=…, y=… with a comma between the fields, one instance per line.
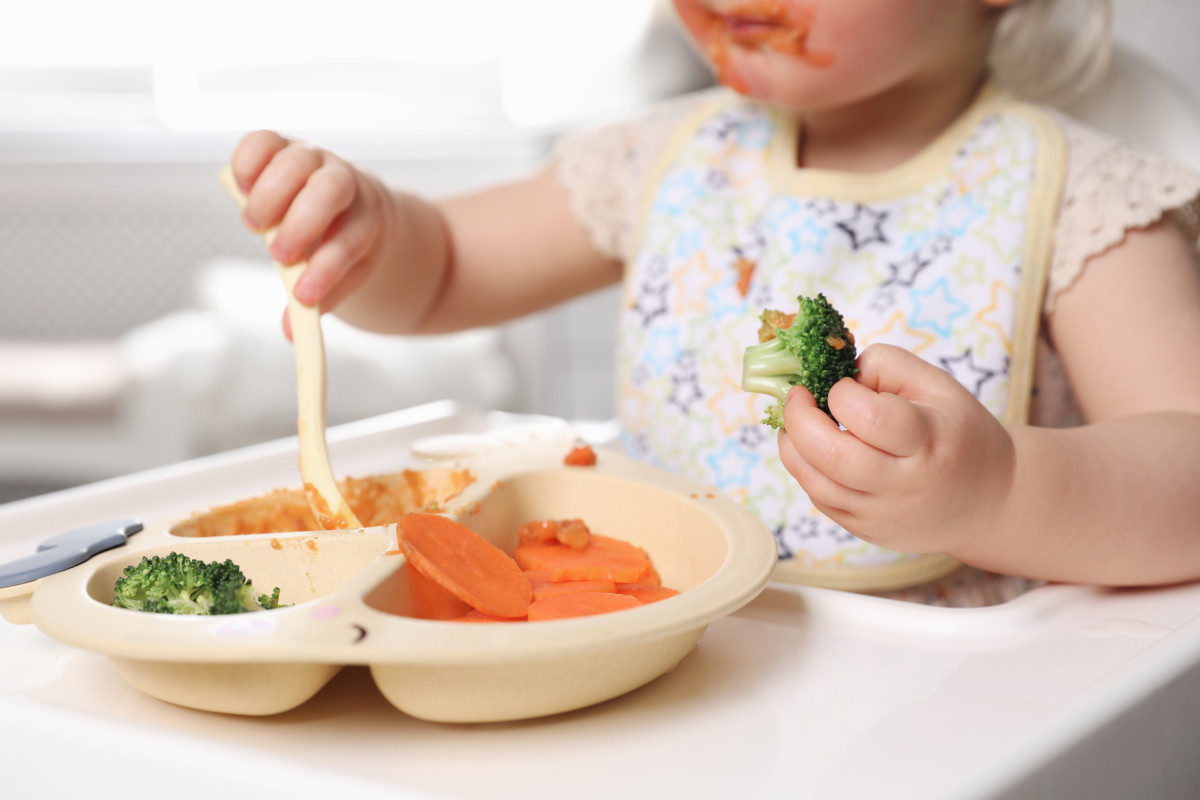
x=812, y=348
x=176, y=584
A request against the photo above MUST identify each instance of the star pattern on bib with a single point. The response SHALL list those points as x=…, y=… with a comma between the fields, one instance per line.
x=864, y=226
x=685, y=383
x=652, y=302
x=932, y=269
x=905, y=271
x=967, y=372
x=731, y=466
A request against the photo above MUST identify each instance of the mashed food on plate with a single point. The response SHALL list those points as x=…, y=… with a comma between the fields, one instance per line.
x=375, y=500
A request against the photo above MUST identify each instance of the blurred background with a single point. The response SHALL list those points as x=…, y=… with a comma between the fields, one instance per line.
x=139, y=322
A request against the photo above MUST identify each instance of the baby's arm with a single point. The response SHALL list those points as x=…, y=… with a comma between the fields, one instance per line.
x=1122, y=490
x=389, y=261
x=922, y=466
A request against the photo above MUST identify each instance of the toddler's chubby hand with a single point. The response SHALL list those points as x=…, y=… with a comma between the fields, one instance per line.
x=921, y=466
x=327, y=211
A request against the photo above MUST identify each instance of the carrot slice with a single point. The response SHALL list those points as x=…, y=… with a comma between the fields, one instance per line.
x=618, y=547
x=430, y=600
x=580, y=604
x=650, y=577
x=475, y=615
x=463, y=562
x=537, y=576
x=646, y=592
x=542, y=530
x=571, y=532
x=604, y=558
x=544, y=589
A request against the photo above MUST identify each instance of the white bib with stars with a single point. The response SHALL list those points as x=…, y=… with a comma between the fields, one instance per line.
x=944, y=255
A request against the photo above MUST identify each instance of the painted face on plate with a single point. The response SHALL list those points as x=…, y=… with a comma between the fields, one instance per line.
x=810, y=54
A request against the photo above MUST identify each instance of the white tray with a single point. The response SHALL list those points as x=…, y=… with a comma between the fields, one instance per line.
x=1067, y=691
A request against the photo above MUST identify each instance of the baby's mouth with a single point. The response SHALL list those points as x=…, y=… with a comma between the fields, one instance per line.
x=754, y=32
x=772, y=29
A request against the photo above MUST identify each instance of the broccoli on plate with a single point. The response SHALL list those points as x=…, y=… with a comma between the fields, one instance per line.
x=177, y=584
x=812, y=348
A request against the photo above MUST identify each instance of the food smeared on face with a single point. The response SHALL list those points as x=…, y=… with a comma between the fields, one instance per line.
x=771, y=25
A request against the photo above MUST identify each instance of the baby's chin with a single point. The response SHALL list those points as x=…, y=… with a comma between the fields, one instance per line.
x=747, y=72
x=779, y=81
x=790, y=101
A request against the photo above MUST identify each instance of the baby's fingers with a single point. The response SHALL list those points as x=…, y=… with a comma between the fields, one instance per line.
x=825, y=493
x=278, y=185
x=885, y=421
x=326, y=193
x=347, y=242
x=837, y=455
x=894, y=370
x=252, y=155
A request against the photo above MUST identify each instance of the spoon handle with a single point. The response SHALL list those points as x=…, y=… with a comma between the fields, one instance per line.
x=326, y=501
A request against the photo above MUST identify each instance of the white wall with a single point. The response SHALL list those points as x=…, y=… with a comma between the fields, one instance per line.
x=1164, y=32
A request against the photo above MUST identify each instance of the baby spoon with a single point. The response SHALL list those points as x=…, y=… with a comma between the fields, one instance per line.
x=326, y=501
x=67, y=550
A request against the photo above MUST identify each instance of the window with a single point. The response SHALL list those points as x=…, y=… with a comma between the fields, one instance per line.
x=231, y=65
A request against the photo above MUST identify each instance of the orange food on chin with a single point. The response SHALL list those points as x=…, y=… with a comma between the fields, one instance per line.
x=759, y=25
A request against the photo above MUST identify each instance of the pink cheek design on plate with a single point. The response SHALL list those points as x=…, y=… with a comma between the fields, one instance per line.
x=245, y=625
x=325, y=612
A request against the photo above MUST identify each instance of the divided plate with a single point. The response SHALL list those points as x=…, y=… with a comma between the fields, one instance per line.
x=347, y=597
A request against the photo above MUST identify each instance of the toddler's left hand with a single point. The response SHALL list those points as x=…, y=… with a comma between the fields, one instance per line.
x=921, y=466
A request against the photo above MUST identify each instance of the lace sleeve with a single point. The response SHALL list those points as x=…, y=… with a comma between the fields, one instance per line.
x=1122, y=188
x=604, y=171
x=596, y=170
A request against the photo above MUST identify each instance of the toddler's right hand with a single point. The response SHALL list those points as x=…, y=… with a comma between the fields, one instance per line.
x=919, y=465
x=327, y=212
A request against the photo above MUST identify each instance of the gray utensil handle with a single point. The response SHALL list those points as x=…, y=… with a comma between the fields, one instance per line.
x=67, y=550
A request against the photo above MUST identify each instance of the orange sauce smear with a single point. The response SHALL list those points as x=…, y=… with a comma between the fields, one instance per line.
x=375, y=500
x=784, y=29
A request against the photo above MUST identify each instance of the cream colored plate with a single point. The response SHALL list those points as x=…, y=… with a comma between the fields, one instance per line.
x=349, y=594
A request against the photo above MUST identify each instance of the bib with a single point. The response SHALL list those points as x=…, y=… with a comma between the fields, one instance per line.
x=944, y=255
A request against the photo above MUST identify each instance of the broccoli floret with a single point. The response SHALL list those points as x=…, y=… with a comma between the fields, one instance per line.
x=177, y=584
x=233, y=594
x=814, y=349
x=171, y=584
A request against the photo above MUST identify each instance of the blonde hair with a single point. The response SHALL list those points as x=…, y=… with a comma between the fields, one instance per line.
x=1052, y=51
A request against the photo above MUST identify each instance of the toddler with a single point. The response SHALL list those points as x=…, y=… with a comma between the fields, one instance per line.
x=1026, y=307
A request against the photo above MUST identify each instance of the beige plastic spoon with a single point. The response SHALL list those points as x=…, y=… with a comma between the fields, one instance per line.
x=326, y=501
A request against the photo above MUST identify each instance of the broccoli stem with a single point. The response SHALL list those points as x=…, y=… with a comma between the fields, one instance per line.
x=770, y=368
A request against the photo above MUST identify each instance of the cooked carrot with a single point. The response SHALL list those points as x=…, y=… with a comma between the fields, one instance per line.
x=544, y=589
x=580, y=604
x=475, y=615
x=472, y=568
x=430, y=600
x=618, y=547
x=650, y=577
x=571, y=532
x=574, y=533
x=536, y=576
x=542, y=530
x=582, y=456
x=604, y=558
x=646, y=592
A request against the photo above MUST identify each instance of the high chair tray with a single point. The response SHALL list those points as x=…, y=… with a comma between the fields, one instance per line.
x=803, y=693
